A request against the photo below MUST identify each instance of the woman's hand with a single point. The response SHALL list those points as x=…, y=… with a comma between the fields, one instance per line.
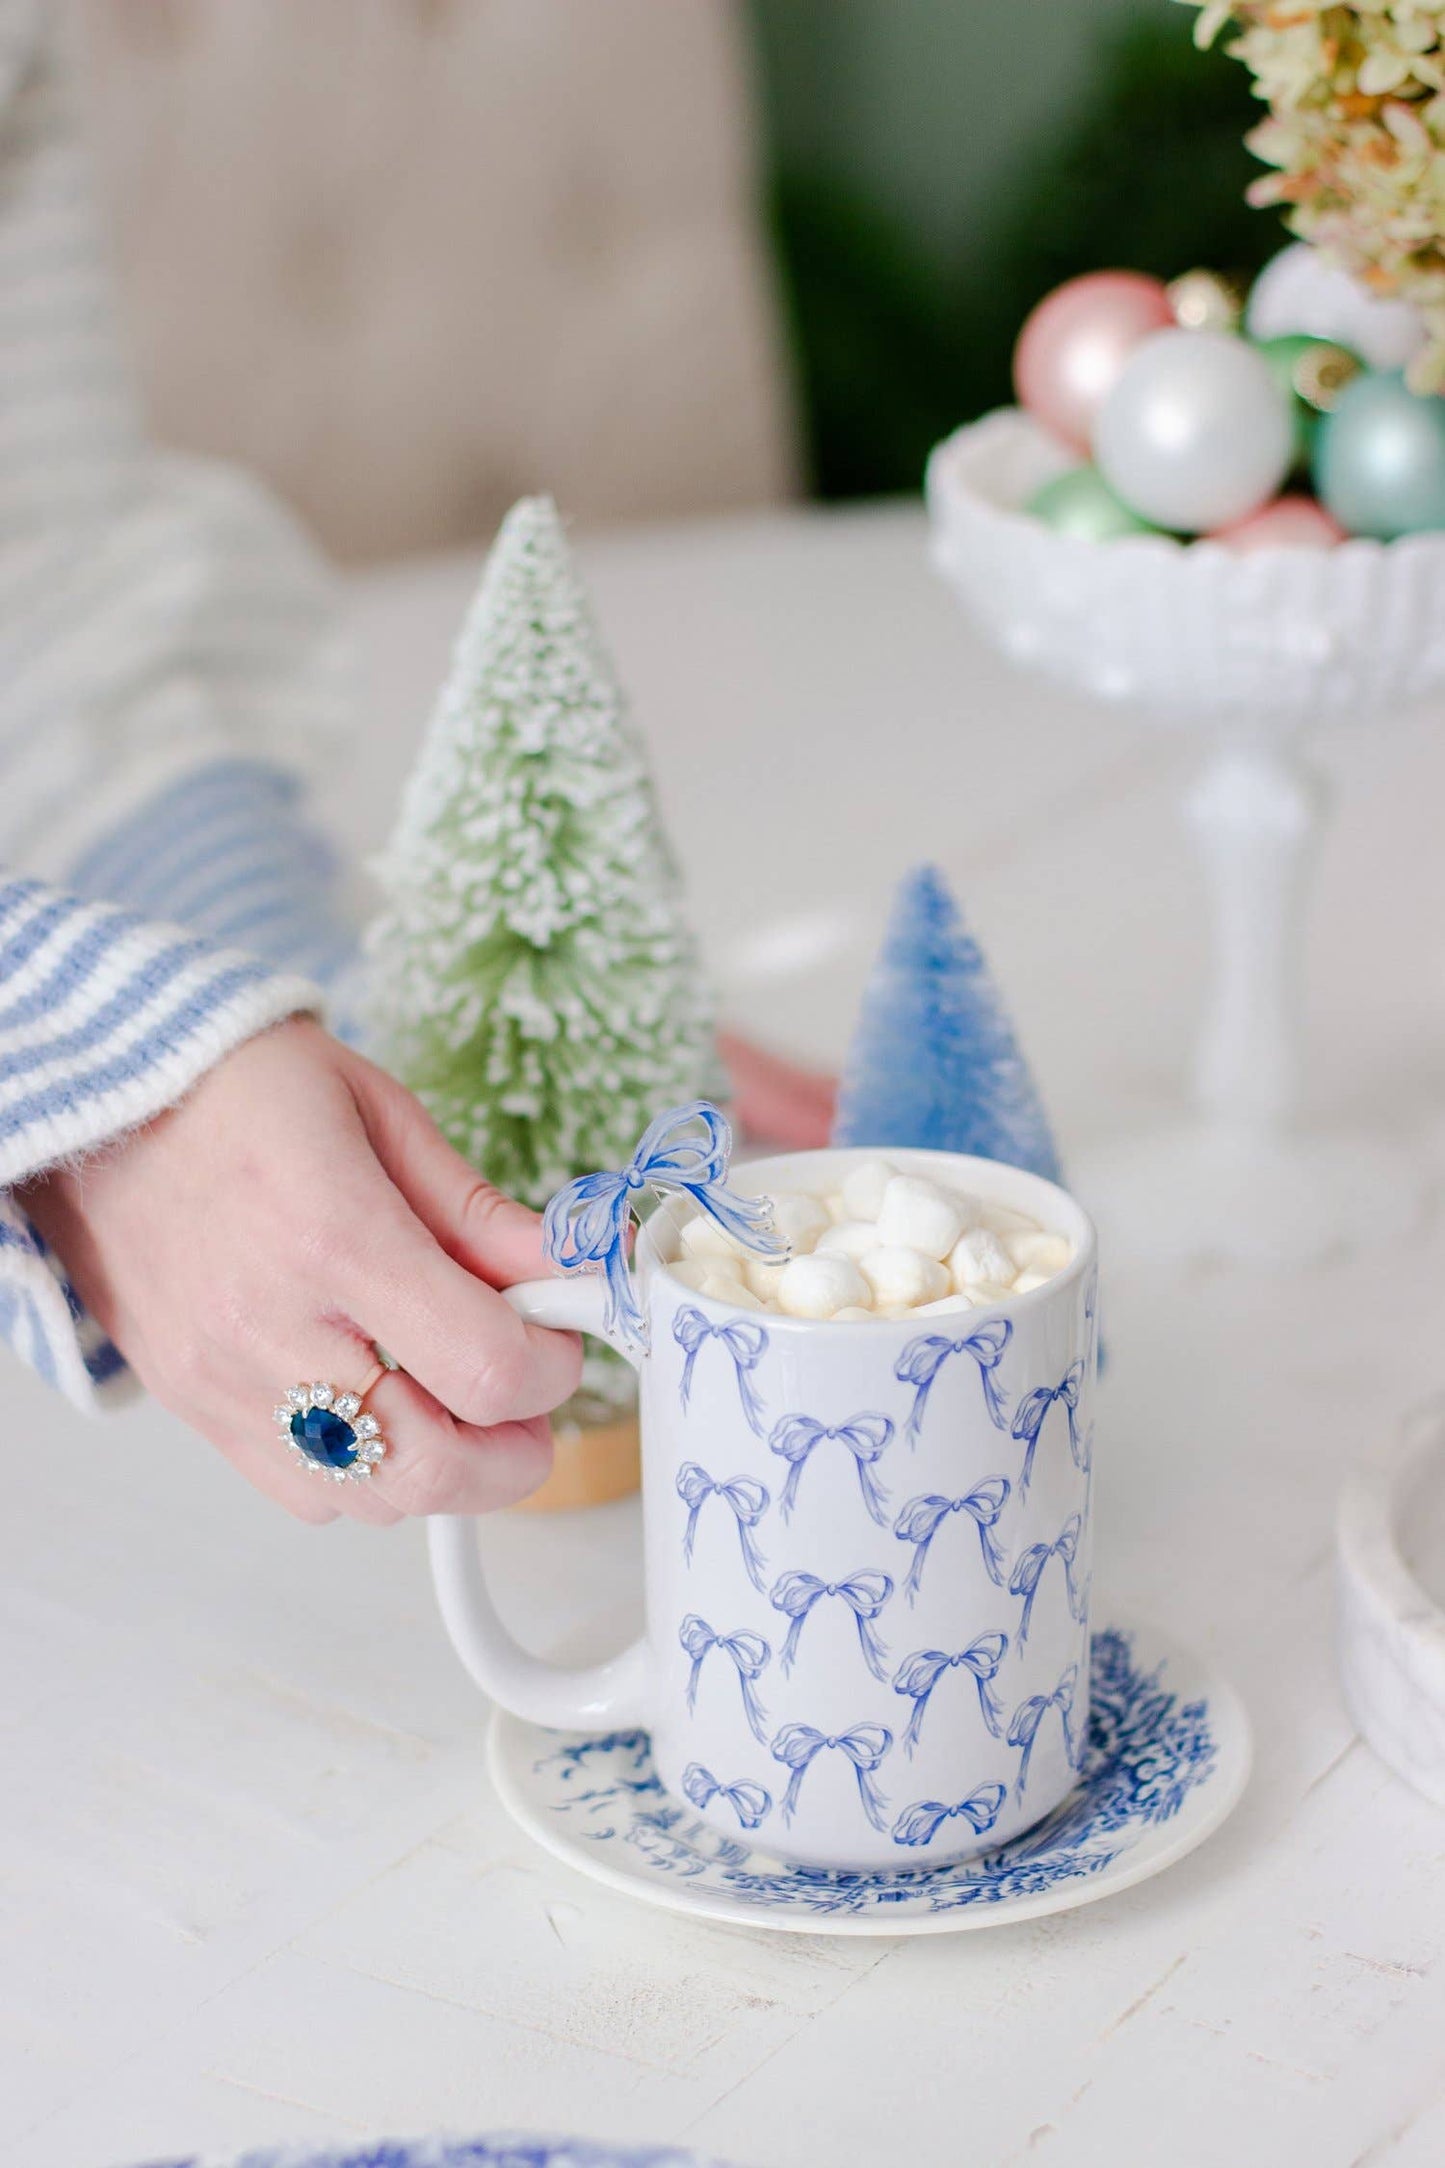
x=296, y=1208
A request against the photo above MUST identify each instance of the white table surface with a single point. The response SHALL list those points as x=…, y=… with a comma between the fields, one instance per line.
x=253, y=1883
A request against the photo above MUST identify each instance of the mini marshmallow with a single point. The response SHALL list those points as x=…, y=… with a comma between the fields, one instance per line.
x=799, y=1219
x=901, y=1278
x=918, y=1215
x=834, y=1206
x=762, y=1275
x=852, y=1315
x=981, y=1292
x=1038, y=1253
x=979, y=1255
x=820, y=1287
x=702, y=1237
x=726, y=1287
x=1028, y=1281
x=1002, y=1219
x=691, y=1271
x=863, y=1189
x=849, y=1238
x=946, y=1306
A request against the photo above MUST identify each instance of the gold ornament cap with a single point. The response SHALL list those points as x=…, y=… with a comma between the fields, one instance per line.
x=1321, y=373
x=1206, y=301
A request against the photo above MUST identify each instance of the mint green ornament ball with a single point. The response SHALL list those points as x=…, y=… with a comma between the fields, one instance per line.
x=1312, y=373
x=1379, y=461
x=1081, y=503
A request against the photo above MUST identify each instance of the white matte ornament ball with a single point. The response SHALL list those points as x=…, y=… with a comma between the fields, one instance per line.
x=820, y=1287
x=1300, y=290
x=1196, y=432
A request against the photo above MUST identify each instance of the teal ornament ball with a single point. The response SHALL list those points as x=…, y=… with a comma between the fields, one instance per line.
x=1081, y=503
x=1380, y=459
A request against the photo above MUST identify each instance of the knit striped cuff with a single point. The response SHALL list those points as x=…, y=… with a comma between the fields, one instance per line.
x=105, y=1020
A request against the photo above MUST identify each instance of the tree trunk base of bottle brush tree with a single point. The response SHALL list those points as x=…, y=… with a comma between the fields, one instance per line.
x=594, y=1464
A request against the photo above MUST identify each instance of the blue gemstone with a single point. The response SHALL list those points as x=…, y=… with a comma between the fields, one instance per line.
x=322, y=1435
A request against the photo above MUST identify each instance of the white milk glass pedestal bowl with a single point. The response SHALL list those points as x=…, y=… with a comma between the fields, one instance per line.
x=1250, y=648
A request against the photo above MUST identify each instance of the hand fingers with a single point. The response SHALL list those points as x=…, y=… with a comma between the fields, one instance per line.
x=431, y=1463
x=454, y=1335
x=492, y=1235
x=777, y=1100
x=435, y=1464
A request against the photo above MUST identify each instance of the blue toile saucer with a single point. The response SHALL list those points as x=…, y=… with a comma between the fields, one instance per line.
x=500, y=2149
x=1167, y=1757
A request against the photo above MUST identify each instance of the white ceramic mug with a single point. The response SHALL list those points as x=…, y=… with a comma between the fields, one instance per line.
x=866, y=1552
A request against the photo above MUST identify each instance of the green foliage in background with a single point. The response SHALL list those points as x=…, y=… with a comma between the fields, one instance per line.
x=896, y=342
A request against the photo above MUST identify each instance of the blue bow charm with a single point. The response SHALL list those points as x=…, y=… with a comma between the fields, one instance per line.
x=1027, y=1717
x=794, y=1594
x=1029, y=1571
x=921, y=1361
x=1032, y=1410
x=749, y=1802
x=921, y=1824
x=747, y=1500
x=744, y=1341
x=749, y=1655
x=866, y=1438
x=921, y=1519
x=585, y=1227
x=797, y=1746
x=918, y=1674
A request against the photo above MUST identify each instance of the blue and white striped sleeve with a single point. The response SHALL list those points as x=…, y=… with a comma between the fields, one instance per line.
x=106, y=1018
x=169, y=670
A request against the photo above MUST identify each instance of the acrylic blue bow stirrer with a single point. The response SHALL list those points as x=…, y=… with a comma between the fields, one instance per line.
x=686, y=1151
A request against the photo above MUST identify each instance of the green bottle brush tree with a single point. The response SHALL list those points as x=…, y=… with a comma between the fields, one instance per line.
x=532, y=975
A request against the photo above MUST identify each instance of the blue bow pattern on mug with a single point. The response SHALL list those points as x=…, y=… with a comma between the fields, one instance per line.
x=686, y=1151
x=1032, y=1410
x=797, y=1746
x=917, y=1676
x=921, y=1824
x=921, y=1361
x=1029, y=1571
x=746, y=1499
x=745, y=1342
x=1027, y=1717
x=865, y=1594
x=749, y=1802
x=748, y=1653
x=866, y=1437
x=921, y=1519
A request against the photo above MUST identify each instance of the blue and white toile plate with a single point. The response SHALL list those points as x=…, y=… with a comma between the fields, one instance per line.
x=1167, y=1757
x=502, y=2149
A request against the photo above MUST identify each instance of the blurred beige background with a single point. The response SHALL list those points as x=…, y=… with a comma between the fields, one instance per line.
x=411, y=258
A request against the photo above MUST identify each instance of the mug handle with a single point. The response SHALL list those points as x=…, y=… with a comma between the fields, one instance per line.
x=610, y=1696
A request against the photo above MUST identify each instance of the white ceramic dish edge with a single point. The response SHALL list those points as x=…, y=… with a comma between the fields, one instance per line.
x=1391, y=1631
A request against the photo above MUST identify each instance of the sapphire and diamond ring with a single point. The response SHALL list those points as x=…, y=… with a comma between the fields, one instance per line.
x=333, y=1433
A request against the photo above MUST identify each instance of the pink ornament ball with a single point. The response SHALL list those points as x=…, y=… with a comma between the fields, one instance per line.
x=1289, y=523
x=1076, y=341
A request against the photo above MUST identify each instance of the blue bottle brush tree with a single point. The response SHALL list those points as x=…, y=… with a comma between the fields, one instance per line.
x=934, y=1063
